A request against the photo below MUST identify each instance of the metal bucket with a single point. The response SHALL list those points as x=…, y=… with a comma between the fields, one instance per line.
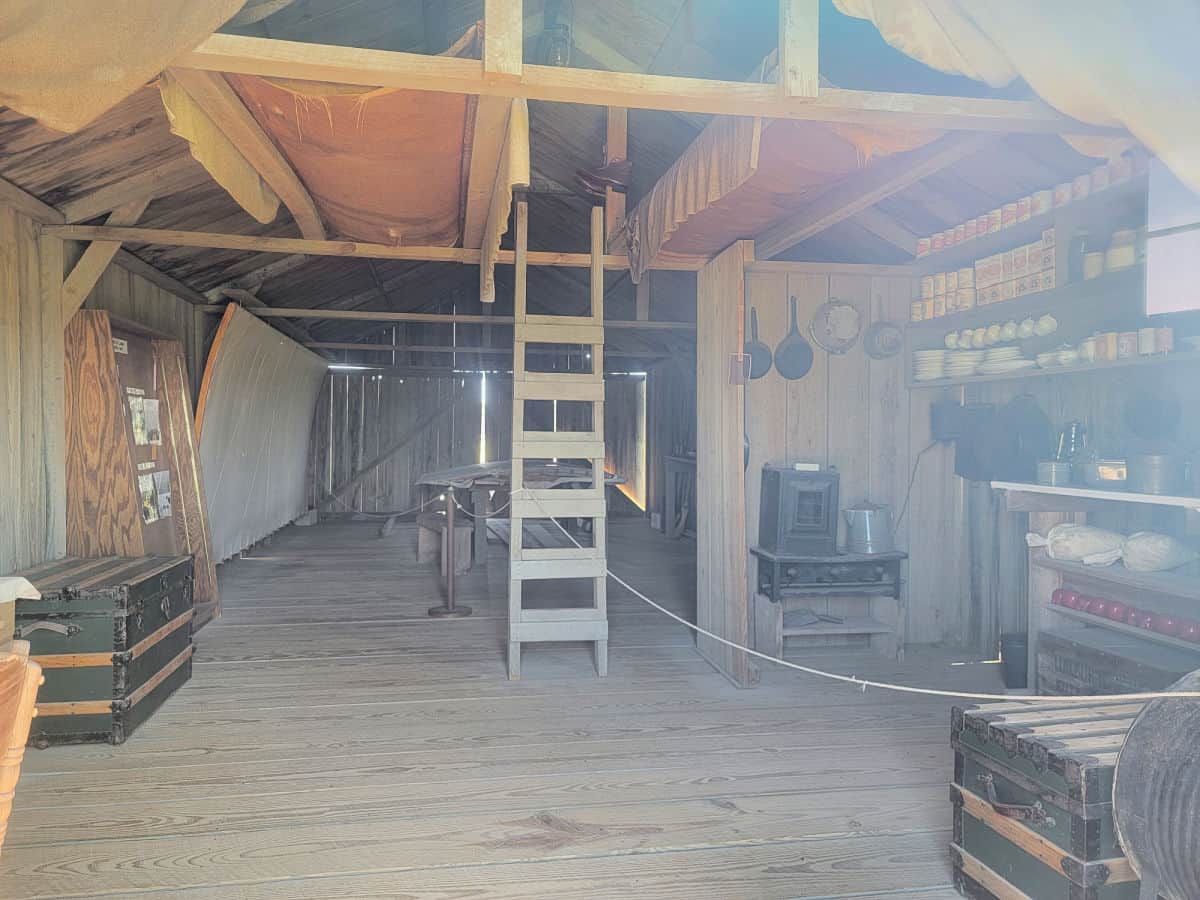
x=869, y=529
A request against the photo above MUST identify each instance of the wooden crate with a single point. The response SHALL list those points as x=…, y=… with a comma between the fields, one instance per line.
x=1098, y=661
x=114, y=639
x=1032, y=798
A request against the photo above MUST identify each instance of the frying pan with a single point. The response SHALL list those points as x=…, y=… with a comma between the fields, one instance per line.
x=759, y=353
x=793, y=356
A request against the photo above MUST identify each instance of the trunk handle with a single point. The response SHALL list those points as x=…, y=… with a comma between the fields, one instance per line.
x=46, y=625
x=1035, y=813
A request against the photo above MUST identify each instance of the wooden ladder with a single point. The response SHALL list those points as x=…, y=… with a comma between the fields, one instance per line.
x=526, y=564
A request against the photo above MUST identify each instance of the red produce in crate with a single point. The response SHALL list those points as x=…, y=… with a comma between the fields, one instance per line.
x=1167, y=624
x=1071, y=599
x=1190, y=631
x=1146, y=620
x=1133, y=617
x=1058, y=597
x=1117, y=611
x=1097, y=606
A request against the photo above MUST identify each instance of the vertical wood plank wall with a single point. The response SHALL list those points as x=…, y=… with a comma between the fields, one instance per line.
x=721, y=596
x=625, y=433
x=855, y=412
x=32, y=469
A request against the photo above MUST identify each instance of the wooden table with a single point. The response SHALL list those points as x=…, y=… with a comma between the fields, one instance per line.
x=782, y=577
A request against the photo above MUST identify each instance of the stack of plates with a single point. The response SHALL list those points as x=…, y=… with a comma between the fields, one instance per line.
x=1000, y=360
x=961, y=363
x=929, y=365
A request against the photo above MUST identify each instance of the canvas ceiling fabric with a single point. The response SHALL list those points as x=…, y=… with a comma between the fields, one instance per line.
x=742, y=175
x=217, y=153
x=65, y=62
x=383, y=165
x=1123, y=62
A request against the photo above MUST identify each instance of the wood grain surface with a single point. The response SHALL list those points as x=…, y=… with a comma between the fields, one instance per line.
x=103, y=508
x=353, y=747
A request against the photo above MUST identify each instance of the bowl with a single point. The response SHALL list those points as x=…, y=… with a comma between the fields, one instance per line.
x=1068, y=357
x=1026, y=329
x=1047, y=324
x=952, y=341
x=1008, y=331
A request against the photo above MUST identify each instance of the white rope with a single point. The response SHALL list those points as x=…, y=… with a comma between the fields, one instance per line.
x=865, y=683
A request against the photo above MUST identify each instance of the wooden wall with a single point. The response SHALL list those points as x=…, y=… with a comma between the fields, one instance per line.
x=625, y=433
x=32, y=470
x=856, y=413
x=670, y=423
x=127, y=295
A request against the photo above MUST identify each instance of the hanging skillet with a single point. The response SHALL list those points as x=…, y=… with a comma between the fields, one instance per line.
x=793, y=356
x=759, y=353
x=835, y=326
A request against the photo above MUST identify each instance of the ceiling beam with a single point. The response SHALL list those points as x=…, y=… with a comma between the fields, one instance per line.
x=503, y=40
x=865, y=188
x=459, y=349
x=887, y=229
x=212, y=93
x=386, y=68
x=353, y=249
x=166, y=178
x=24, y=202
x=363, y=315
x=798, y=74
x=95, y=259
x=255, y=278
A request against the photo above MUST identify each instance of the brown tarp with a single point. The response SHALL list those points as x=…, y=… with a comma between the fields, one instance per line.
x=64, y=62
x=382, y=165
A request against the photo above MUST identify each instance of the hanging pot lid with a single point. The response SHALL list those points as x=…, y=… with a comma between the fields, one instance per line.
x=835, y=326
x=883, y=339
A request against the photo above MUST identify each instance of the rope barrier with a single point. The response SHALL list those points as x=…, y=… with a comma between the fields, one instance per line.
x=865, y=683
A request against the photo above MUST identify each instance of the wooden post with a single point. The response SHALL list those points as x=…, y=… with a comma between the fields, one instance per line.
x=616, y=146
x=798, y=48
x=643, y=298
x=503, y=40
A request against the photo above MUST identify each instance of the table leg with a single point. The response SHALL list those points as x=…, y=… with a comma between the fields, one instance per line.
x=449, y=610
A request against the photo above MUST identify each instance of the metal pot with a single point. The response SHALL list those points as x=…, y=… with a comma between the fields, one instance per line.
x=1054, y=473
x=1155, y=473
x=869, y=529
x=1106, y=474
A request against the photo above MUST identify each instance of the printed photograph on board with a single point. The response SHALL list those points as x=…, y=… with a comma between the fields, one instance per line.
x=162, y=487
x=152, y=424
x=137, y=420
x=149, y=503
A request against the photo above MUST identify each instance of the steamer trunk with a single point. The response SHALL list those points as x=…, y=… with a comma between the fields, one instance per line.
x=114, y=639
x=1032, y=797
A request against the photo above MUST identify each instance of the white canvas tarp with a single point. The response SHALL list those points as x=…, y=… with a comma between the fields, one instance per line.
x=1123, y=62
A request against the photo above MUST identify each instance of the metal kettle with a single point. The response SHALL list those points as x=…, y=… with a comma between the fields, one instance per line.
x=869, y=529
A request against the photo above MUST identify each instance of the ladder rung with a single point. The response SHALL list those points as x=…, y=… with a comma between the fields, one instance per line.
x=533, y=554
x=567, y=506
x=562, y=320
x=557, y=448
x=558, y=631
x=547, y=569
x=557, y=437
x=566, y=333
x=551, y=377
x=563, y=614
x=562, y=387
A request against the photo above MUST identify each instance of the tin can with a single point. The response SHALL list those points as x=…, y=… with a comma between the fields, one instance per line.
x=924, y=245
x=966, y=298
x=981, y=223
x=960, y=233
x=939, y=305
x=1008, y=215
x=952, y=281
x=970, y=229
x=1106, y=346
x=1093, y=265
x=1062, y=194
x=995, y=220
x=966, y=277
x=938, y=241
x=927, y=309
x=1100, y=178
x=916, y=312
x=939, y=283
x=1087, y=349
x=927, y=290
x=1127, y=344
x=1081, y=187
x=1145, y=341
x=1024, y=209
x=1164, y=340
x=1041, y=202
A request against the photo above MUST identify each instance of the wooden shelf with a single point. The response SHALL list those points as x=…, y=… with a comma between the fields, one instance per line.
x=1101, y=205
x=858, y=589
x=1109, y=624
x=852, y=625
x=1167, y=359
x=1165, y=583
x=1096, y=494
x=1120, y=284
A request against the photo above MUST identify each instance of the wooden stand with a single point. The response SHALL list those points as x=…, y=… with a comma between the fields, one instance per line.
x=19, y=681
x=526, y=564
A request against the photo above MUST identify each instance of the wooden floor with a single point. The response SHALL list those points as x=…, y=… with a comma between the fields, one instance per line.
x=335, y=742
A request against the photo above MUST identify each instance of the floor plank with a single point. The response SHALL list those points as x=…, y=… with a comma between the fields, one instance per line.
x=336, y=742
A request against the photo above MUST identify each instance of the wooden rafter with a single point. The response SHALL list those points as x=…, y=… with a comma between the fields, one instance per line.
x=166, y=178
x=364, y=315
x=256, y=278
x=212, y=93
x=513, y=172
x=886, y=229
x=798, y=56
x=459, y=348
x=386, y=68
x=865, y=188
x=258, y=244
x=96, y=258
